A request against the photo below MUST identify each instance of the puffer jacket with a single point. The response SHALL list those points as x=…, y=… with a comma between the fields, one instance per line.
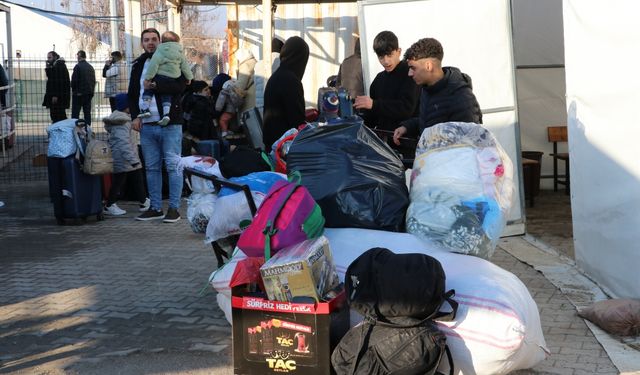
x=168, y=60
x=449, y=99
x=125, y=153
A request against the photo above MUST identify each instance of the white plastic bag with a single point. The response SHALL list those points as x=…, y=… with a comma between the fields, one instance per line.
x=204, y=164
x=230, y=211
x=231, y=208
x=200, y=208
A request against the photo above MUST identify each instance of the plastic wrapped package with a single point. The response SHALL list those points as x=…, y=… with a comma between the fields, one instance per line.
x=356, y=178
x=461, y=188
x=231, y=208
x=200, y=208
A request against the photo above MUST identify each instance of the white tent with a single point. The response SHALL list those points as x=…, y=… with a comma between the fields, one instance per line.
x=476, y=37
x=601, y=52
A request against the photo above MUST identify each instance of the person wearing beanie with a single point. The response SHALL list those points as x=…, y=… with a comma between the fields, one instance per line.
x=121, y=103
x=284, y=95
x=126, y=162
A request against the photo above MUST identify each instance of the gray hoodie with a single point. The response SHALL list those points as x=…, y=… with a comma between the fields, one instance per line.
x=125, y=153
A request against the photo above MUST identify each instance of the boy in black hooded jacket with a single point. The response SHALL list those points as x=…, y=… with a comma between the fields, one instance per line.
x=284, y=95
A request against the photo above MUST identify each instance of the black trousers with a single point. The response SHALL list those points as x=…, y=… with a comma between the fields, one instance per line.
x=112, y=103
x=118, y=180
x=57, y=113
x=84, y=102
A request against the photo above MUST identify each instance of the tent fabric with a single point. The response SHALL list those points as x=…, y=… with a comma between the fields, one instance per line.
x=603, y=142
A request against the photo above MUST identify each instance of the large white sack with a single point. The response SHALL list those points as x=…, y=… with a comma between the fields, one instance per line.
x=497, y=328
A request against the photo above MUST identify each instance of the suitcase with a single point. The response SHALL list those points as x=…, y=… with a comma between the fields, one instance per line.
x=73, y=193
x=252, y=125
x=212, y=147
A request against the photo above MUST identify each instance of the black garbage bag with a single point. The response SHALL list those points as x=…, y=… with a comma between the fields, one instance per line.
x=356, y=178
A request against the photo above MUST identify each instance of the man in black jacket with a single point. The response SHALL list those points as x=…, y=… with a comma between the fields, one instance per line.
x=83, y=84
x=446, y=95
x=57, y=93
x=158, y=142
x=393, y=96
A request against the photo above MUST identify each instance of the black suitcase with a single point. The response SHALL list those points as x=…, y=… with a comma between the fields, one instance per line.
x=73, y=193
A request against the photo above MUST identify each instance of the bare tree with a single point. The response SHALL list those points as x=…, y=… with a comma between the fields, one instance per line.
x=90, y=33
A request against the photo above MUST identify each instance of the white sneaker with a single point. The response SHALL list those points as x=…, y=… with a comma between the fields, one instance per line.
x=145, y=206
x=114, y=210
x=164, y=121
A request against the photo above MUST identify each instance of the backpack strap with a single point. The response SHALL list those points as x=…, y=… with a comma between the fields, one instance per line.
x=449, y=358
x=286, y=191
x=446, y=317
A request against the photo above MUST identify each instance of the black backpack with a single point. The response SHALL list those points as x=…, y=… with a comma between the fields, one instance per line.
x=399, y=295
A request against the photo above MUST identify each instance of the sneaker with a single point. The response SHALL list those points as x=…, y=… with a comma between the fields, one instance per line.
x=172, y=216
x=164, y=121
x=144, y=113
x=144, y=206
x=150, y=214
x=113, y=210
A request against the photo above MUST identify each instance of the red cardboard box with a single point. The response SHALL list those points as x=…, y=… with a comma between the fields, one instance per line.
x=284, y=337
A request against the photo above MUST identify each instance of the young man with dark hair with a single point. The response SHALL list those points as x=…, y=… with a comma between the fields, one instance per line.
x=158, y=142
x=446, y=94
x=393, y=96
x=83, y=85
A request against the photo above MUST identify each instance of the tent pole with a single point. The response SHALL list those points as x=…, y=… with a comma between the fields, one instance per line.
x=267, y=34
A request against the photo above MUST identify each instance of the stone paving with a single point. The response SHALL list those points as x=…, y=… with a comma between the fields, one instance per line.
x=122, y=289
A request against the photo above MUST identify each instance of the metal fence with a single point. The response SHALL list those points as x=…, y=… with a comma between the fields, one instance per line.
x=23, y=157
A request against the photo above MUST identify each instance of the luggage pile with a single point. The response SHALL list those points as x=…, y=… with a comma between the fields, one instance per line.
x=74, y=185
x=329, y=244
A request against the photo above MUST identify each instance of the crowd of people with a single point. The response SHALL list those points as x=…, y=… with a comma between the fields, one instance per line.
x=166, y=105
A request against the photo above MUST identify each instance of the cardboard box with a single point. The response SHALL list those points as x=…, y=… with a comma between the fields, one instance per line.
x=302, y=270
x=281, y=337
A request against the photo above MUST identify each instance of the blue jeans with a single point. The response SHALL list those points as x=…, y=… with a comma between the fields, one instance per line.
x=162, y=143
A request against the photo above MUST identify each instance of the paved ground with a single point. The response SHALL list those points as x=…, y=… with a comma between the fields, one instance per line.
x=127, y=297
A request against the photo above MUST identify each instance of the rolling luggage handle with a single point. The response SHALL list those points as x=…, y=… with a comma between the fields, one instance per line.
x=217, y=249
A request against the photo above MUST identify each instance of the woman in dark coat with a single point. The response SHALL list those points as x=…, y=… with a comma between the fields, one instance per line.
x=58, y=91
x=284, y=95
